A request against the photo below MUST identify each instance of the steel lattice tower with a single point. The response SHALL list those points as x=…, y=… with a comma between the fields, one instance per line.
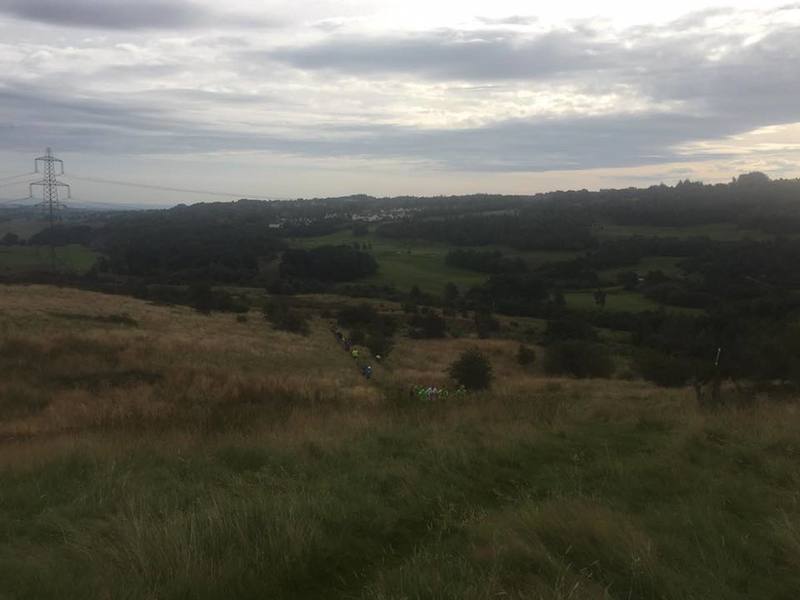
x=51, y=168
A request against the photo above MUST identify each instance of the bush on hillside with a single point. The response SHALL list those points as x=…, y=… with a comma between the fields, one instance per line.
x=203, y=298
x=283, y=317
x=579, y=359
x=428, y=325
x=526, y=355
x=379, y=344
x=472, y=370
x=361, y=314
x=666, y=370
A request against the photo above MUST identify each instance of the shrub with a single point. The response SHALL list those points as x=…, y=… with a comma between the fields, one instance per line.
x=526, y=355
x=665, y=370
x=472, y=370
x=428, y=325
x=379, y=344
x=280, y=314
x=203, y=298
x=362, y=314
x=578, y=358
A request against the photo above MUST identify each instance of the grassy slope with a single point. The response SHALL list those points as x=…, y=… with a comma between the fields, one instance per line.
x=165, y=454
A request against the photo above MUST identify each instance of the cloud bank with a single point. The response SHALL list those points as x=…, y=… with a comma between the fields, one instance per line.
x=502, y=95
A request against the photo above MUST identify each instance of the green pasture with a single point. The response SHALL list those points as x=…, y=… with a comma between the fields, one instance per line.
x=619, y=300
x=75, y=258
x=23, y=227
x=408, y=262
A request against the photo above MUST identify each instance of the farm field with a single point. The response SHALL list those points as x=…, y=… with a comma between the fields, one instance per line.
x=155, y=452
x=74, y=258
x=403, y=263
x=406, y=263
x=666, y=264
x=24, y=227
x=619, y=300
x=616, y=300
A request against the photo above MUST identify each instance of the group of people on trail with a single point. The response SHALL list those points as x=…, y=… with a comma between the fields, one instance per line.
x=347, y=344
x=432, y=393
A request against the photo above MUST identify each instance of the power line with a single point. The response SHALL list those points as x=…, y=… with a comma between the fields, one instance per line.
x=164, y=188
x=12, y=184
x=8, y=177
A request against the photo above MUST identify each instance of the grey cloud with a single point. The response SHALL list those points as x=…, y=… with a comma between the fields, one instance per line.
x=512, y=20
x=747, y=87
x=760, y=80
x=744, y=86
x=550, y=144
x=518, y=145
x=124, y=14
x=698, y=19
x=207, y=97
x=142, y=70
x=450, y=54
x=107, y=14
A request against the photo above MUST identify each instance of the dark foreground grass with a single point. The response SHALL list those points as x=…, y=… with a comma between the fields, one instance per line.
x=418, y=504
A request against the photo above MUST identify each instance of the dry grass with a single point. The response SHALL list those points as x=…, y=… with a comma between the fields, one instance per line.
x=170, y=454
x=175, y=368
x=69, y=366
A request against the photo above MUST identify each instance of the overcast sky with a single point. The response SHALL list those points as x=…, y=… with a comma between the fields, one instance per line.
x=323, y=98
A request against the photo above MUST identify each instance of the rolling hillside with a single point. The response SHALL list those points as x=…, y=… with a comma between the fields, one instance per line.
x=155, y=452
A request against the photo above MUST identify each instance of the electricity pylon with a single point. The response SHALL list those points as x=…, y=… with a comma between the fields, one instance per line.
x=50, y=202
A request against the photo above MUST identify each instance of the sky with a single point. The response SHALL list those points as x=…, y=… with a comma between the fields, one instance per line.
x=253, y=98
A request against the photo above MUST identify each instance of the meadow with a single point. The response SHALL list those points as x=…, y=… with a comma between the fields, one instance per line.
x=405, y=263
x=72, y=258
x=24, y=227
x=408, y=262
x=154, y=452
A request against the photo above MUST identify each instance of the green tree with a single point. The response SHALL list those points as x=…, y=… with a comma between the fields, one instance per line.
x=472, y=370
